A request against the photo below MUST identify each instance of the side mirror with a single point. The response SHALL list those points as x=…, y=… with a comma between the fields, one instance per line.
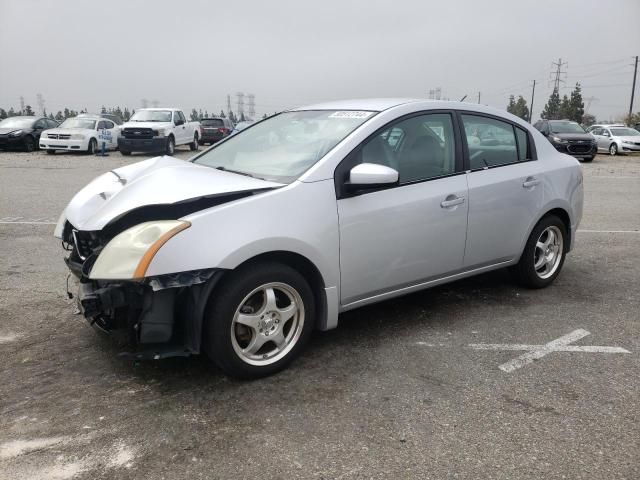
x=371, y=175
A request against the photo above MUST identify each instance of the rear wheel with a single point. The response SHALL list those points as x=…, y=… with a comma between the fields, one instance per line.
x=259, y=320
x=613, y=149
x=29, y=144
x=194, y=145
x=544, y=254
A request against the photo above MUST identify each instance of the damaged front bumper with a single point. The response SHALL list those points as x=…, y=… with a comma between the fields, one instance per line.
x=155, y=318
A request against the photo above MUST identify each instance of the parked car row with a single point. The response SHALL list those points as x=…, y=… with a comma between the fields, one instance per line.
x=154, y=130
x=570, y=138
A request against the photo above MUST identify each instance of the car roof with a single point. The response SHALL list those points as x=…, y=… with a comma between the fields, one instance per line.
x=370, y=104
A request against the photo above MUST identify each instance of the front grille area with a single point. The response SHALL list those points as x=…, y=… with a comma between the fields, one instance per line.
x=86, y=243
x=54, y=136
x=134, y=132
x=579, y=148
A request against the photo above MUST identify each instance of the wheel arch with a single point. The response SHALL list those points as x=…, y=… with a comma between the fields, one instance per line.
x=562, y=212
x=306, y=268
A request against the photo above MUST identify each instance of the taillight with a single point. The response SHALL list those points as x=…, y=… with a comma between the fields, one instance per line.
x=222, y=130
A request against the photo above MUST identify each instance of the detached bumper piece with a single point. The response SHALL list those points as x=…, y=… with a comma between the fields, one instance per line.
x=152, y=320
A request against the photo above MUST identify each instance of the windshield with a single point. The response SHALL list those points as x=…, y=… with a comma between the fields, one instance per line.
x=212, y=122
x=282, y=147
x=566, y=127
x=624, y=132
x=151, y=116
x=16, y=122
x=78, y=123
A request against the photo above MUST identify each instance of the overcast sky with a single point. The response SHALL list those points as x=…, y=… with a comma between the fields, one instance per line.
x=188, y=53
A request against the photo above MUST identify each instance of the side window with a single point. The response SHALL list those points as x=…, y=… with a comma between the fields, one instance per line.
x=108, y=124
x=596, y=131
x=419, y=148
x=490, y=142
x=101, y=125
x=40, y=124
x=523, y=144
x=181, y=117
x=52, y=124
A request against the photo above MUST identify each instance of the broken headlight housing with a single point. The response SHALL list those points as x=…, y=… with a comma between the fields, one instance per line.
x=128, y=255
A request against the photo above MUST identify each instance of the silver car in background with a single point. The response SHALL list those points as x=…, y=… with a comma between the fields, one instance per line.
x=273, y=232
x=616, y=139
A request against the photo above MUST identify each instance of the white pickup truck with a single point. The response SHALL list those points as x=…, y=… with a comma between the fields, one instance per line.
x=158, y=130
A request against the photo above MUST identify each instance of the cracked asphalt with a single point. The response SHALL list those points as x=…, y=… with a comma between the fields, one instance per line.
x=394, y=392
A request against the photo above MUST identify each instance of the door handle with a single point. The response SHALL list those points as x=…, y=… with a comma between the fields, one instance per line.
x=451, y=201
x=531, y=182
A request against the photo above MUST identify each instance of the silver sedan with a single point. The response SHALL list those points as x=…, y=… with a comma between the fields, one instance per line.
x=246, y=249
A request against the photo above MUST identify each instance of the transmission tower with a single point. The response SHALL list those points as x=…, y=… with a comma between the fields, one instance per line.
x=240, y=111
x=251, y=105
x=228, y=103
x=558, y=73
x=21, y=105
x=40, y=101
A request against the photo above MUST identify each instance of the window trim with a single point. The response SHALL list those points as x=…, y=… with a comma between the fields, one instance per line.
x=531, y=150
x=346, y=164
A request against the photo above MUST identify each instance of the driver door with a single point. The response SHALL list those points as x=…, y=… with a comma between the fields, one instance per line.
x=413, y=232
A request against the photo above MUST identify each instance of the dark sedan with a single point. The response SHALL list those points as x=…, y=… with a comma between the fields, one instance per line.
x=570, y=138
x=23, y=133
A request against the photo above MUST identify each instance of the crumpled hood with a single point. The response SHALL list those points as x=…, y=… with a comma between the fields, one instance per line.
x=157, y=181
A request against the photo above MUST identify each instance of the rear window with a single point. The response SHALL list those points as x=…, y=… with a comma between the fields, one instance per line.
x=212, y=122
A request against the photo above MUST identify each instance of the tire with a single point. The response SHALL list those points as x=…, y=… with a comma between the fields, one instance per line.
x=195, y=144
x=29, y=144
x=246, y=352
x=51, y=152
x=532, y=271
x=126, y=153
x=613, y=149
x=92, y=147
x=171, y=146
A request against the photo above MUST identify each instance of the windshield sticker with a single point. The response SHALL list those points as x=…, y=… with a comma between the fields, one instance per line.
x=350, y=114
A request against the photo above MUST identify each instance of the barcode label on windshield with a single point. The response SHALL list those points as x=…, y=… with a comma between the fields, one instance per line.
x=351, y=114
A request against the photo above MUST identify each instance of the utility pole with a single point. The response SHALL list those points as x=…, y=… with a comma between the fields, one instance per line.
x=533, y=92
x=633, y=89
x=558, y=73
x=478, y=97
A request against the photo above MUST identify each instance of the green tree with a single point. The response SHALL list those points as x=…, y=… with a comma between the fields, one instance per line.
x=577, y=104
x=67, y=113
x=222, y=115
x=232, y=117
x=3, y=114
x=194, y=115
x=11, y=112
x=59, y=116
x=518, y=107
x=264, y=115
x=103, y=109
x=242, y=118
x=552, y=108
x=632, y=120
x=28, y=111
x=565, y=111
x=588, y=120
x=51, y=116
x=126, y=115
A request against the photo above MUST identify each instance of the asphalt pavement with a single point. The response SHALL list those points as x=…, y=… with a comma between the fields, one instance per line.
x=459, y=381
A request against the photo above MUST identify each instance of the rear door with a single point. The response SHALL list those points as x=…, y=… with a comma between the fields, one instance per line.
x=505, y=188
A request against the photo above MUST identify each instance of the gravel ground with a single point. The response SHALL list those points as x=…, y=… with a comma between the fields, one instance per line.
x=394, y=392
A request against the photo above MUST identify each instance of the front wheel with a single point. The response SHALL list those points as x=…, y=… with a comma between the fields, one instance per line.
x=613, y=150
x=171, y=146
x=29, y=144
x=195, y=144
x=259, y=320
x=93, y=146
x=544, y=254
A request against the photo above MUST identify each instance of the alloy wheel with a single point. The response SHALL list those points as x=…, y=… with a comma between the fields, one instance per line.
x=548, y=252
x=267, y=324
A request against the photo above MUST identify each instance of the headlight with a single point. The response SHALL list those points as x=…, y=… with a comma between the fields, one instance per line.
x=16, y=133
x=558, y=140
x=77, y=136
x=128, y=254
x=158, y=133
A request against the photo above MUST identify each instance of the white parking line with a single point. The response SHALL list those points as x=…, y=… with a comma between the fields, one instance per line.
x=535, y=352
x=608, y=231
